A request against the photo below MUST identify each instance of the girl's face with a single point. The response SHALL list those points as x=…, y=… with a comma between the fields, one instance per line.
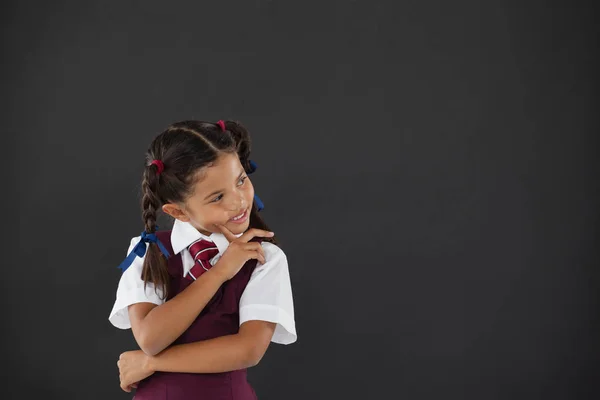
x=222, y=194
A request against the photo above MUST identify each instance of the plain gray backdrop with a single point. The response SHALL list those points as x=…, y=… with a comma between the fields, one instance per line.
x=430, y=169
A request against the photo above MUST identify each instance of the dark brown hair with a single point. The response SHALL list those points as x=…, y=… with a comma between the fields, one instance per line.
x=184, y=148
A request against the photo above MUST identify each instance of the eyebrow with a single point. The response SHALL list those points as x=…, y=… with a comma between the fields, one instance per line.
x=220, y=190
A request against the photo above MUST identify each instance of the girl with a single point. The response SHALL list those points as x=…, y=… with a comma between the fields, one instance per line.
x=204, y=299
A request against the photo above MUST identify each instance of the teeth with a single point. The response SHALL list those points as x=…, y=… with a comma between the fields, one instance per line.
x=238, y=217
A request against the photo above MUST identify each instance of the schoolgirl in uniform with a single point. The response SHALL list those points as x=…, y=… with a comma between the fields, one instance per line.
x=204, y=299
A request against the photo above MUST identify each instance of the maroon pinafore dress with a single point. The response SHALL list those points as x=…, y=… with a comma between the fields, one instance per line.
x=220, y=317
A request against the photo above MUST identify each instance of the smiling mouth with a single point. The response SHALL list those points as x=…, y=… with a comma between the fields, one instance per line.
x=239, y=217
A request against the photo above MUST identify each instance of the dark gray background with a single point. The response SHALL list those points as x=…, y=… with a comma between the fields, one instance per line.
x=429, y=167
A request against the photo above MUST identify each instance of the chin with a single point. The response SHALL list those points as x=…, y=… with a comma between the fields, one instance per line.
x=238, y=228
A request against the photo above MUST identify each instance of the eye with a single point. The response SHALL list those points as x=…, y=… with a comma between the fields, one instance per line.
x=242, y=180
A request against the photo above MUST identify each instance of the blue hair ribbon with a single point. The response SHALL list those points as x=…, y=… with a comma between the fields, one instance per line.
x=140, y=249
x=259, y=204
x=253, y=166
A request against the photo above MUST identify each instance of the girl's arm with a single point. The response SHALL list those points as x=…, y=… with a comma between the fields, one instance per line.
x=222, y=354
x=156, y=327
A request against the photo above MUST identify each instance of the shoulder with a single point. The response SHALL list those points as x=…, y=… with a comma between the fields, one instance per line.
x=134, y=240
x=132, y=261
x=273, y=252
x=275, y=260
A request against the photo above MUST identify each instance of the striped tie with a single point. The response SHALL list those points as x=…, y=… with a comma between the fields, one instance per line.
x=202, y=251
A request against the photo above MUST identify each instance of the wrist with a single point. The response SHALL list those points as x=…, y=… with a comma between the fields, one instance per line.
x=216, y=273
x=150, y=364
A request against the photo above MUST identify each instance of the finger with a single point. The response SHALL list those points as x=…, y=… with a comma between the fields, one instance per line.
x=226, y=232
x=261, y=250
x=250, y=233
x=254, y=246
x=256, y=252
x=259, y=257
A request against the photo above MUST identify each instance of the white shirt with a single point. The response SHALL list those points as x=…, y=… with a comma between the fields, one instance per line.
x=267, y=297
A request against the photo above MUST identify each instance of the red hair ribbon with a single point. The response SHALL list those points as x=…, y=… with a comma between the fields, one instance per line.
x=159, y=164
x=222, y=125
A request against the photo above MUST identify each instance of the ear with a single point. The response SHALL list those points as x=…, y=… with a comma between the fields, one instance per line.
x=175, y=211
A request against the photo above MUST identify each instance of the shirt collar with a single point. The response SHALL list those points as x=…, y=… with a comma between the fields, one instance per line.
x=184, y=234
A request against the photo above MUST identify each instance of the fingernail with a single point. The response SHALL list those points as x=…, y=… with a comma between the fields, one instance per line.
x=271, y=233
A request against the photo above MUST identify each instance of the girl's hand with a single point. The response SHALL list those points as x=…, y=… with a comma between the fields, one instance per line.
x=239, y=251
x=133, y=367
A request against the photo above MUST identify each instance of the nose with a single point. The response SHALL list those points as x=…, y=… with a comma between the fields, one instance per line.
x=237, y=204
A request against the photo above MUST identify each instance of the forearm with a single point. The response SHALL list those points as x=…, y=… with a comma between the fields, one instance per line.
x=221, y=354
x=165, y=323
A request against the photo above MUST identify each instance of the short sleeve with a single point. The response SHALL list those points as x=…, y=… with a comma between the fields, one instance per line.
x=131, y=291
x=268, y=295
